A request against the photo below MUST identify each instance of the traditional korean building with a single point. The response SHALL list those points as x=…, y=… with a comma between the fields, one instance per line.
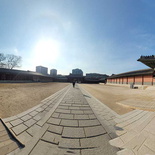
x=13, y=75
x=138, y=77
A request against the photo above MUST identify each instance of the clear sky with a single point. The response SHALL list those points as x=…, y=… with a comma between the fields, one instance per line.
x=97, y=36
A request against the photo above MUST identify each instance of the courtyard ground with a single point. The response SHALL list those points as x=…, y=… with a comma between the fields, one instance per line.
x=112, y=94
x=16, y=98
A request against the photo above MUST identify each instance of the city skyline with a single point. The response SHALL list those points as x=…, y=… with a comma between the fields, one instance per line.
x=103, y=36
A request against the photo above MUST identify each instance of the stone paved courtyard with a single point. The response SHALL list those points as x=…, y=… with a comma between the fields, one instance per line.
x=72, y=121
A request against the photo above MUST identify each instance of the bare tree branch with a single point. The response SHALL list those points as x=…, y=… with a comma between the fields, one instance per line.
x=10, y=61
x=13, y=61
x=2, y=59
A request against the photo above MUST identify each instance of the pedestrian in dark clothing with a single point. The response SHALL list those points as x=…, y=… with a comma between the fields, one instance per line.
x=73, y=84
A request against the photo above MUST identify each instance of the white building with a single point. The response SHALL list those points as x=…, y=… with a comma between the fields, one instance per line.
x=77, y=72
x=42, y=70
x=53, y=72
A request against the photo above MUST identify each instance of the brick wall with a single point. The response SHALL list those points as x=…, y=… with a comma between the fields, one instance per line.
x=139, y=80
x=125, y=80
x=130, y=80
x=148, y=79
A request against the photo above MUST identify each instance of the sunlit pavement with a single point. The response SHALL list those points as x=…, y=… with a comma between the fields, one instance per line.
x=72, y=121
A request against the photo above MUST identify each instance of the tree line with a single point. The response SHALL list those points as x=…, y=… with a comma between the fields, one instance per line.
x=10, y=61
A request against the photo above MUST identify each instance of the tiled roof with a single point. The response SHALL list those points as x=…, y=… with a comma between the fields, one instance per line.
x=13, y=71
x=133, y=73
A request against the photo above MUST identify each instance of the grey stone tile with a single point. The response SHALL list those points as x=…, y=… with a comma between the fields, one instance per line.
x=48, y=109
x=71, y=132
x=92, y=142
x=16, y=122
x=44, y=106
x=63, y=107
x=44, y=148
x=74, y=108
x=32, y=130
x=33, y=113
x=69, y=102
x=65, y=122
x=85, y=108
x=30, y=122
x=92, y=116
x=69, y=143
x=39, y=116
x=84, y=123
x=65, y=104
x=55, y=114
x=100, y=151
x=54, y=121
x=64, y=111
x=94, y=131
x=66, y=116
x=51, y=105
x=8, y=125
x=33, y=142
x=81, y=117
x=88, y=112
x=55, y=129
x=25, y=113
x=51, y=137
x=76, y=111
x=144, y=150
x=40, y=109
x=19, y=129
x=24, y=137
x=26, y=117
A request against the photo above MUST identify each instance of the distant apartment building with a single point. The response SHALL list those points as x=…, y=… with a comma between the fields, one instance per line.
x=96, y=76
x=42, y=70
x=77, y=72
x=76, y=75
x=53, y=72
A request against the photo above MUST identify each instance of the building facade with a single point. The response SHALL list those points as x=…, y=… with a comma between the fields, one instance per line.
x=138, y=77
x=53, y=72
x=77, y=72
x=13, y=75
x=95, y=77
x=76, y=75
x=42, y=70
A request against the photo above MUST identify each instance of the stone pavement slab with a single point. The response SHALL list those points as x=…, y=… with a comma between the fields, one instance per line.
x=70, y=128
x=73, y=132
x=74, y=122
x=55, y=129
x=138, y=137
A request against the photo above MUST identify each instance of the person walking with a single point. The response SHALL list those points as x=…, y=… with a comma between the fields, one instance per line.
x=73, y=84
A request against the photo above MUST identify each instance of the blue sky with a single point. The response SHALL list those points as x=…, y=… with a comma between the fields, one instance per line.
x=97, y=36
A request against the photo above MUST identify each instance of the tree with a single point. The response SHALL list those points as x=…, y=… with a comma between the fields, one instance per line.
x=2, y=59
x=10, y=61
x=13, y=61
